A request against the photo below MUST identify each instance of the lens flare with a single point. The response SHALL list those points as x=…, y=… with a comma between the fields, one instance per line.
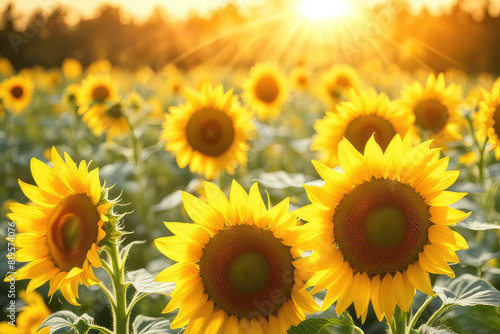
x=325, y=9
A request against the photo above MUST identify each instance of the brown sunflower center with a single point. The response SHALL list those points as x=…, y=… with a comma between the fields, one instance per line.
x=302, y=80
x=496, y=121
x=115, y=111
x=362, y=128
x=210, y=132
x=431, y=115
x=247, y=271
x=72, y=231
x=381, y=226
x=100, y=93
x=17, y=91
x=343, y=81
x=267, y=89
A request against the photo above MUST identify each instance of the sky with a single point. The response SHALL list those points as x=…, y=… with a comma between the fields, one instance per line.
x=142, y=9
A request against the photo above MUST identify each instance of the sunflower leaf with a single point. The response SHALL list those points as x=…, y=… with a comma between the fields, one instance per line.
x=168, y=202
x=144, y=282
x=468, y=290
x=281, y=179
x=149, y=325
x=315, y=325
x=67, y=322
x=476, y=256
x=478, y=225
x=433, y=330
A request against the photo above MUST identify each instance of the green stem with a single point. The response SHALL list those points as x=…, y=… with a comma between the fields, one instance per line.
x=417, y=315
x=358, y=330
x=100, y=329
x=481, y=164
x=141, y=209
x=121, y=316
x=437, y=314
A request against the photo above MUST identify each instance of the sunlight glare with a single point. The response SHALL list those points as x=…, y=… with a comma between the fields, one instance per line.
x=325, y=9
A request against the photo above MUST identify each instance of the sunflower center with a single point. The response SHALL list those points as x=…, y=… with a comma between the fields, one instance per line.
x=334, y=91
x=245, y=266
x=381, y=226
x=496, y=121
x=247, y=271
x=343, y=82
x=72, y=231
x=302, y=80
x=210, y=132
x=100, y=93
x=362, y=128
x=267, y=89
x=115, y=111
x=431, y=115
x=17, y=91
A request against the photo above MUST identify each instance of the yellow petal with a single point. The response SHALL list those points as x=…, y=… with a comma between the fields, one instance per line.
x=333, y=178
x=374, y=157
x=238, y=199
x=361, y=293
x=446, y=198
x=256, y=205
x=202, y=213
x=419, y=278
x=353, y=163
x=192, y=232
x=215, y=321
x=179, y=249
x=177, y=271
x=218, y=200
x=38, y=195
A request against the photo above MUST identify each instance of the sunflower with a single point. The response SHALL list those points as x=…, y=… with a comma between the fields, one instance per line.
x=265, y=90
x=337, y=82
x=109, y=118
x=61, y=236
x=435, y=107
x=96, y=89
x=300, y=78
x=366, y=113
x=31, y=317
x=209, y=132
x=383, y=224
x=235, y=268
x=16, y=92
x=71, y=68
x=488, y=117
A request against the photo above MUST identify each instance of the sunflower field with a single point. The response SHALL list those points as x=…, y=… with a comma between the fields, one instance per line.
x=266, y=190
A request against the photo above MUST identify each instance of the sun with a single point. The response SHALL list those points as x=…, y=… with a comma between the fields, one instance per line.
x=325, y=9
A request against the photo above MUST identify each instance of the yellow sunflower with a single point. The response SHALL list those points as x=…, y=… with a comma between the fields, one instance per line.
x=61, y=236
x=265, y=90
x=366, y=113
x=337, y=82
x=108, y=118
x=300, y=78
x=382, y=226
x=97, y=89
x=31, y=317
x=71, y=68
x=488, y=117
x=435, y=107
x=235, y=268
x=16, y=92
x=209, y=132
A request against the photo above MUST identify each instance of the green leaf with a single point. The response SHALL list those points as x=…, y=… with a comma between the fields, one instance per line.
x=314, y=326
x=468, y=290
x=473, y=320
x=476, y=256
x=168, y=202
x=281, y=180
x=149, y=325
x=477, y=225
x=67, y=322
x=433, y=330
x=144, y=282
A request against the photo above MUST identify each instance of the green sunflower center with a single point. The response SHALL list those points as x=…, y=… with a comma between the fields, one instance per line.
x=72, y=231
x=381, y=226
x=362, y=128
x=266, y=89
x=17, y=92
x=115, y=111
x=247, y=271
x=431, y=115
x=210, y=132
x=100, y=93
x=496, y=121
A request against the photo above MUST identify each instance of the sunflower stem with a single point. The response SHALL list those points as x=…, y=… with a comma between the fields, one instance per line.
x=100, y=329
x=417, y=315
x=141, y=209
x=358, y=330
x=120, y=314
x=437, y=314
